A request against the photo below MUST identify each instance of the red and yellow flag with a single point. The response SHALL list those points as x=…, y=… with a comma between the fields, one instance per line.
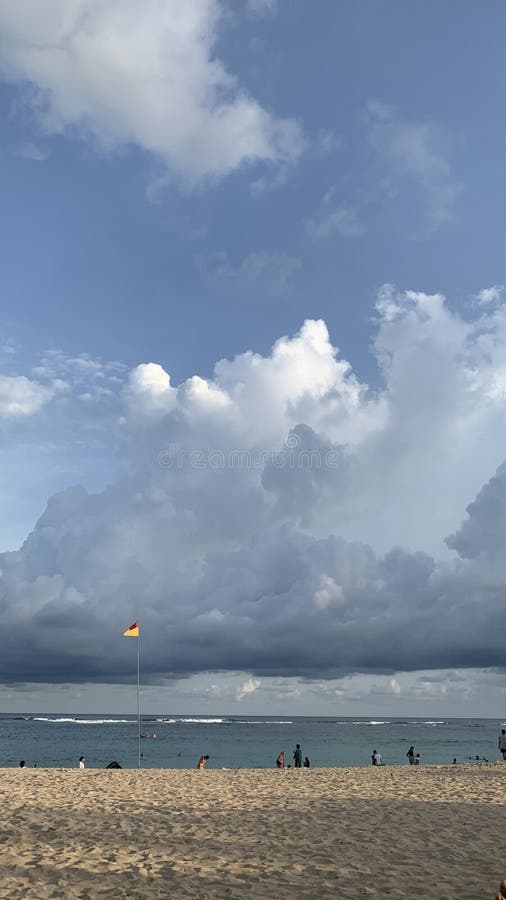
x=133, y=631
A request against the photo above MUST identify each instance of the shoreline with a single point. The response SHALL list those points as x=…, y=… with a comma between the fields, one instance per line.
x=468, y=764
x=437, y=833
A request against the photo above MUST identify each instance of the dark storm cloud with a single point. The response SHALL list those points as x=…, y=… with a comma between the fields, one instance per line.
x=286, y=604
x=232, y=535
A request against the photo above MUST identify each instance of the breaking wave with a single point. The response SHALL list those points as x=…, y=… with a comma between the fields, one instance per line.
x=195, y=721
x=75, y=721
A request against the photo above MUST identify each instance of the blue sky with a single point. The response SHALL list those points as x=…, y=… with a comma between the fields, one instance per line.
x=98, y=249
x=188, y=187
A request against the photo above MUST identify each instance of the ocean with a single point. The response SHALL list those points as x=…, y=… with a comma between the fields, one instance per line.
x=239, y=742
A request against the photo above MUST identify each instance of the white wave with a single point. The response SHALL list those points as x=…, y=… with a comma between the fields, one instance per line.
x=427, y=722
x=165, y=721
x=204, y=721
x=75, y=721
x=259, y=722
x=191, y=721
x=371, y=722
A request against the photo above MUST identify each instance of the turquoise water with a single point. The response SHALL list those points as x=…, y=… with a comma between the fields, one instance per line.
x=246, y=742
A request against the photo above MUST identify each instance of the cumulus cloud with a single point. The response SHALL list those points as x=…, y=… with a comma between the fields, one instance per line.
x=21, y=396
x=148, y=391
x=491, y=295
x=123, y=73
x=481, y=533
x=57, y=416
x=249, y=687
x=282, y=518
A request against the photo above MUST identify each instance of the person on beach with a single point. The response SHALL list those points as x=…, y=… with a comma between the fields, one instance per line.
x=417, y=760
x=376, y=758
x=202, y=762
x=411, y=755
x=280, y=762
x=502, y=891
x=307, y=762
x=297, y=757
x=81, y=762
x=501, y=743
x=22, y=764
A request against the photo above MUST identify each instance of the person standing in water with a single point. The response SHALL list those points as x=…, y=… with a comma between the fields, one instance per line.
x=297, y=757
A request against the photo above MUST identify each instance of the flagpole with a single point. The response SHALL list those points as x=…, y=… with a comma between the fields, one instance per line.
x=138, y=701
x=134, y=631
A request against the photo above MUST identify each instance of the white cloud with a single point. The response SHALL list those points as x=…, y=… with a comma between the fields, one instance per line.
x=415, y=150
x=491, y=295
x=249, y=687
x=20, y=396
x=149, y=391
x=328, y=594
x=148, y=74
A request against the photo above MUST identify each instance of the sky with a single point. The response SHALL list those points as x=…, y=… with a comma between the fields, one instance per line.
x=253, y=356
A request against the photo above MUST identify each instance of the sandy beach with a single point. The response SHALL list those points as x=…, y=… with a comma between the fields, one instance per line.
x=432, y=833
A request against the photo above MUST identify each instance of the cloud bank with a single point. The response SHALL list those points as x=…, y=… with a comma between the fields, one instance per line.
x=282, y=518
x=124, y=73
